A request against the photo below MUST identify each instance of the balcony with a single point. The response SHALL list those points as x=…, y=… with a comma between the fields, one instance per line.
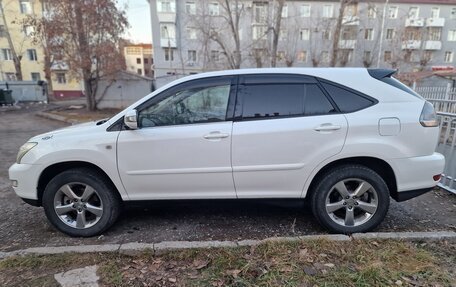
x=435, y=22
x=433, y=45
x=414, y=22
x=166, y=17
x=350, y=20
x=347, y=44
x=411, y=45
x=168, y=43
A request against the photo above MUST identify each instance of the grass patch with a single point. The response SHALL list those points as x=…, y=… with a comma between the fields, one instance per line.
x=297, y=263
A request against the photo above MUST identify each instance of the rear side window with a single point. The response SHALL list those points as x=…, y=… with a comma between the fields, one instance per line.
x=346, y=100
x=275, y=100
x=316, y=102
x=283, y=100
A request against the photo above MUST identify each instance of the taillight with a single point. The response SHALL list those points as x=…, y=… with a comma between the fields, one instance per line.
x=428, y=117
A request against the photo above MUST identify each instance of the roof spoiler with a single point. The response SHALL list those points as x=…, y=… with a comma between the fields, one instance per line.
x=381, y=73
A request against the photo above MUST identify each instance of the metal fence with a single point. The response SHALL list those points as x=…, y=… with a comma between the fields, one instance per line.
x=444, y=101
x=25, y=91
x=446, y=146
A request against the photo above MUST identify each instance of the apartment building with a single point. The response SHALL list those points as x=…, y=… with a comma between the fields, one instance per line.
x=138, y=59
x=31, y=54
x=192, y=36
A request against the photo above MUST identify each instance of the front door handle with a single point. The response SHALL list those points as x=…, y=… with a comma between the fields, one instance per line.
x=216, y=135
x=327, y=128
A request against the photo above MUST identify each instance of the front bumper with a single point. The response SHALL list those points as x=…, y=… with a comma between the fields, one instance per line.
x=26, y=176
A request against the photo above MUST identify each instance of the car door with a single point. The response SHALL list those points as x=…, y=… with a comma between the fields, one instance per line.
x=285, y=125
x=183, y=144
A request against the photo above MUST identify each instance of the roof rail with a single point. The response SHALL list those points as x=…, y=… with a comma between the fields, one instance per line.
x=381, y=73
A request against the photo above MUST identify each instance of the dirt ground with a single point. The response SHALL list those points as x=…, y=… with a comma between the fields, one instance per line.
x=24, y=226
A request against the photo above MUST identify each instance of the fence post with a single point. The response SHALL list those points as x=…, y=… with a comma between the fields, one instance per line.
x=414, y=85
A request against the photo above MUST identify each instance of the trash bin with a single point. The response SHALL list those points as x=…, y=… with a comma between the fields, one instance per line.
x=6, y=97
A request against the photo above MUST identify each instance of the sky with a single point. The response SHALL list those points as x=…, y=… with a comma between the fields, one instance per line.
x=138, y=13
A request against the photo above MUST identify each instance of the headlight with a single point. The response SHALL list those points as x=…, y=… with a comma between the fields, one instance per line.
x=25, y=148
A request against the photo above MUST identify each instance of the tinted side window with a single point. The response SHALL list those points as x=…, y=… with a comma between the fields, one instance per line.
x=316, y=102
x=198, y=105
x=272, y=100
x=346, y=101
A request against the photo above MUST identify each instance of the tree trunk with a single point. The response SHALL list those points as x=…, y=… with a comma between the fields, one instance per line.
x=337, y=30
x=276, y=32
x=16, y=58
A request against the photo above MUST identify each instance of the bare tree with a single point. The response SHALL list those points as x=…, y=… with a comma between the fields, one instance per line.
x=276, y=23
x=14, y=54
x=344, y=4
x=85, y=34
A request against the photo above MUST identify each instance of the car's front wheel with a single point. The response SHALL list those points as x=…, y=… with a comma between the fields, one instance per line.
x=81, y=202
x=350, y=199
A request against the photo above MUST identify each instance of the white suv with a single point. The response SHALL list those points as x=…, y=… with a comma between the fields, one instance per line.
x=345, y=139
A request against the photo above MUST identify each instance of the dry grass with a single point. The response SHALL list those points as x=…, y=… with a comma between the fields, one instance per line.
x=300, y=263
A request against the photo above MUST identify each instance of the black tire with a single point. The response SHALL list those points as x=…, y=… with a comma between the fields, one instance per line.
x=350, y=171
x=105, y=191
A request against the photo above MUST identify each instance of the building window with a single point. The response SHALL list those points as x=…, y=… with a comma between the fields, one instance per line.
x=389, y=34
x=28, y=30
x=7, y=55
x=435, y=12
x=2, y=31
x=138, y=60
x=191, y=56
x=448, y=57
x=371, y=12
x=167, y=31
x=166, y=6
x=139, y=71
x=325, y=57
x=283, y=35
x=326, y=34
x=413, y=12
x=281, y=55
x=305, y=10
x=191, y=33
x=328, y=11
x=351, y=10
x=190, y=8
x=214, y=9
x=32, y=55
x=26, y=7
x=10, y=77
x=369, y=34
x=435, y=33
x=169, y=54
x=61, y=78
x=427, y=56
x=452, y=35
x=392, y=12
x=259, y=31
x=302, y=56
x=260, y=13
x=453, y=13
x=304, y=34
x=285, y=11
x=146, y=61
x=36, y=77
x=387, y=56
x=215, y=55
x=349, y=33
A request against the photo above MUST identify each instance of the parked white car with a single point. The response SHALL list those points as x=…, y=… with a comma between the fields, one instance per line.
x=345, y=139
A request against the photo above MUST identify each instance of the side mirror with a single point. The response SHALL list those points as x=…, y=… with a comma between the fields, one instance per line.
x=131, y=119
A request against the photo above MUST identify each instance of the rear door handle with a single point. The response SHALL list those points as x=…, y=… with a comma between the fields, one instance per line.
x=216, y=135
x=327, y=128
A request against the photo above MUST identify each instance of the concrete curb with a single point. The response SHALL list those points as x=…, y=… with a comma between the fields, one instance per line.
x=58, y=118
x=133, y=248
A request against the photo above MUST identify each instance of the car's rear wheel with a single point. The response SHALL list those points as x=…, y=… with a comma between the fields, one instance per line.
x=81, y=202
x=349, y=199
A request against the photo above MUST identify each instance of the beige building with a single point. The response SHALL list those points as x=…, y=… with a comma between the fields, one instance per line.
x=138, y=59
x=31, y=55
